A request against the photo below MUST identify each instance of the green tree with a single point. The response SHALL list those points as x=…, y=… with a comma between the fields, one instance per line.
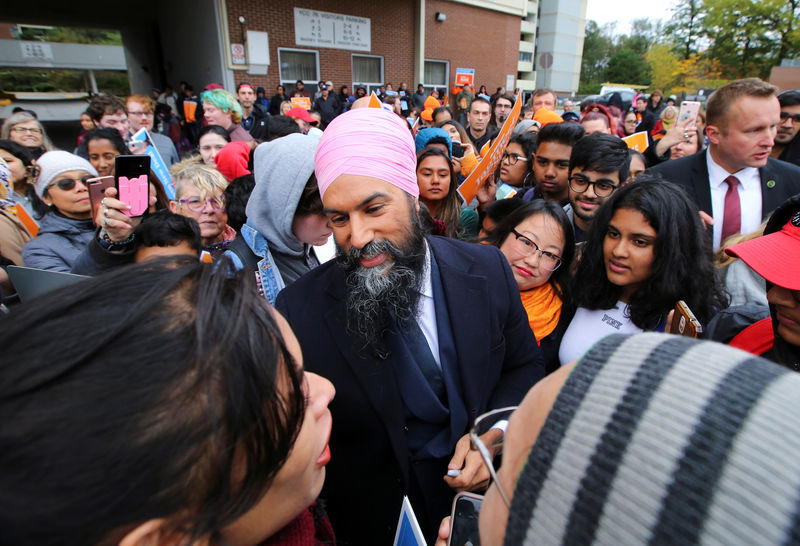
x=626, y=66
x=685, y=27
x=597, y=46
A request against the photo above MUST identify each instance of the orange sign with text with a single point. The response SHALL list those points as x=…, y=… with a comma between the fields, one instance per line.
x=301, y=102
x=491, y=158
x=637, y=141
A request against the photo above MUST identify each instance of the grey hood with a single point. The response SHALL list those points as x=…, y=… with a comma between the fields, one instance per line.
x=281, y=169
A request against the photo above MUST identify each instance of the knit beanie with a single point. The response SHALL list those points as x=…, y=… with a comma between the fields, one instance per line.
x=546, y=116
x=661, y=439
x=426, y=135
x=232, y=160
x=52, y=164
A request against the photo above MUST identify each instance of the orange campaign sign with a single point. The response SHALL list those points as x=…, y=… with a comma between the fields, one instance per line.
x=301, y=102
x=637, y=141
x=465, y=76
x=491, y=158
x=374, y=101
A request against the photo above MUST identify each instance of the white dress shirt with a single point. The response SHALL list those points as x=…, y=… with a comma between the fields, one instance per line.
x=749, y=197
x=426, y=310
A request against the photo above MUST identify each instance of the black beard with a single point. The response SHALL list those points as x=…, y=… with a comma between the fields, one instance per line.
x=384, y=293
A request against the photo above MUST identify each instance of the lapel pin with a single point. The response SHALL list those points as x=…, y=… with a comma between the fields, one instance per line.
x=770, y=184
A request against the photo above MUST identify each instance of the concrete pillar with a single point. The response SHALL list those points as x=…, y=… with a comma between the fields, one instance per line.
x=419, y=44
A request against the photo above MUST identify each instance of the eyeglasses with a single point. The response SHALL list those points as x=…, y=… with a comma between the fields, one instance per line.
x=794, y=117
x=31, y=130
x=602, y=188
x=195, y=204
x=526, y=247
x=487, y=436
x=512, y=158
x=67, y=184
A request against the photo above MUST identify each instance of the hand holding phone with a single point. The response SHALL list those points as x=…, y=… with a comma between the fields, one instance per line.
x=687, y=116
x=684, y=323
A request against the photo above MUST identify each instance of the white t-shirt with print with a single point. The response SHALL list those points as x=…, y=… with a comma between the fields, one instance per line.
x=588, y=327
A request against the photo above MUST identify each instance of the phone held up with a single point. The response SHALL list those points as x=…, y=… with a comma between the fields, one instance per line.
x=684, y=323
x=131, y=179
x=464, y=520
x=97, y=190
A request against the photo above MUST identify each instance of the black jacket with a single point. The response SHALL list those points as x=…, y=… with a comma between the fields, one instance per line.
x=260, y=128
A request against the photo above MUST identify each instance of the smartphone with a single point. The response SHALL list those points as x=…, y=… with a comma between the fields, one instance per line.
x=132, y=183
x=97, y=190
x=684, y=323
x=689, y=110
x=464, y=520
x=458, y=150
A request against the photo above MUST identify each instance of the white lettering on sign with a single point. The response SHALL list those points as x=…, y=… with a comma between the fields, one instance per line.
x=36, y=51
x=322, y=29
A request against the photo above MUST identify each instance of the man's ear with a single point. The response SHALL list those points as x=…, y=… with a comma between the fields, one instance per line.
x=714, y=133
x=155, y=533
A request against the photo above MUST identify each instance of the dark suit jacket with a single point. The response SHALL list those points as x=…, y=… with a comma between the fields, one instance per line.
x=498, y=360
x=779, y=180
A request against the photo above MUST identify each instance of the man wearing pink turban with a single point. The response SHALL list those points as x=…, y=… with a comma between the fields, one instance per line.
x=419, y=335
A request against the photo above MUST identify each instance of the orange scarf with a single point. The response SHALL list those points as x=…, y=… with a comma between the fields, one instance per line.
x=544, y=309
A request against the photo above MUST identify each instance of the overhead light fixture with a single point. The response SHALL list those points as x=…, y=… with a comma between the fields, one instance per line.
x=440, y=17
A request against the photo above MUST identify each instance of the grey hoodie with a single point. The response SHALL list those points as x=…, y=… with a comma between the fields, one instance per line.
x=282, y=168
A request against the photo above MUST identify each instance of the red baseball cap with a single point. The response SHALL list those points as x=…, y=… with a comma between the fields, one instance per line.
x=302, y=113
x=776, y=256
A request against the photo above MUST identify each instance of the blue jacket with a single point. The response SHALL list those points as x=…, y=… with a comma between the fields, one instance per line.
x=59, y=243
x=271, y=280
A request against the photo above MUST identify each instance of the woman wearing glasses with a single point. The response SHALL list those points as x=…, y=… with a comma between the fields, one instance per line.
x=538, y=243
x=515, y=171
x=200, y=194
x=438, y=191
x=65, y=231
x=645, y=251
x=24, y=129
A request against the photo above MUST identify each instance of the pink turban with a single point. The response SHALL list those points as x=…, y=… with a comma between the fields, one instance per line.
x=368, y=142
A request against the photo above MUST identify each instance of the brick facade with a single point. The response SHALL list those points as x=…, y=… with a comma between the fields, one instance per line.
x=471, y=37
x=392, y=28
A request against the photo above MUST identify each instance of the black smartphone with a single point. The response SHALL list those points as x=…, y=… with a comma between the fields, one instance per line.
x=464, y=520
x=132, y=182
x=458, y=150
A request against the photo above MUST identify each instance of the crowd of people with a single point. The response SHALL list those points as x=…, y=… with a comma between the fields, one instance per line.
x=229, y=373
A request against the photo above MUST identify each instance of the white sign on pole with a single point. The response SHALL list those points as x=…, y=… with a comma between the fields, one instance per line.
x=333, y=30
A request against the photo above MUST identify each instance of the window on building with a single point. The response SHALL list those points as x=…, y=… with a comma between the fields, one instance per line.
x=525, y=56
x=367, y=72
x=298, y=64
x=437, y=74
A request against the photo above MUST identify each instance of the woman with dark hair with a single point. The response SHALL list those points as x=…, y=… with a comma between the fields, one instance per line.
x=538, y=242
x=277, y=99
x=438, y=191
x=515, y=171
x=218, y=434
x=23, y=174
x=212, y=139
x=101, y=147
x=646, y=250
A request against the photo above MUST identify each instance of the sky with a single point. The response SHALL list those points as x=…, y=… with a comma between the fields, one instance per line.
x=624, y=11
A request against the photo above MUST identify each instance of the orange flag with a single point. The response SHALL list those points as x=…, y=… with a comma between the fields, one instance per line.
x=491, y=156
x=637, y=141
x=29, y=223
x=374, y=101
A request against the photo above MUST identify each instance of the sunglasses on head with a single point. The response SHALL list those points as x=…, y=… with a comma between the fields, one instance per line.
x=67, y=184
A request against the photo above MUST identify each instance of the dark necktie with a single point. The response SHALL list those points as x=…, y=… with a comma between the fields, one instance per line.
x=423, y=356
x=732, y=215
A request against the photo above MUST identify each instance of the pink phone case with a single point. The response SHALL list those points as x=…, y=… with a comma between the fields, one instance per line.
x=136, y=193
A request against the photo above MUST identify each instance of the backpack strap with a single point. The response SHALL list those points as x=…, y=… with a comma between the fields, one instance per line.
x=239, y=247
x=757, y=339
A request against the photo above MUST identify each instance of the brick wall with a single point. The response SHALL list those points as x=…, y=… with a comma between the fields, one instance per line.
x=392, y=28
x=471, y=37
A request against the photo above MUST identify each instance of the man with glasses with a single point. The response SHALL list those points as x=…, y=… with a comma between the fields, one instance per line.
x=141, y=110
x=598, y=166
x=502, y=109
x=787, y=143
